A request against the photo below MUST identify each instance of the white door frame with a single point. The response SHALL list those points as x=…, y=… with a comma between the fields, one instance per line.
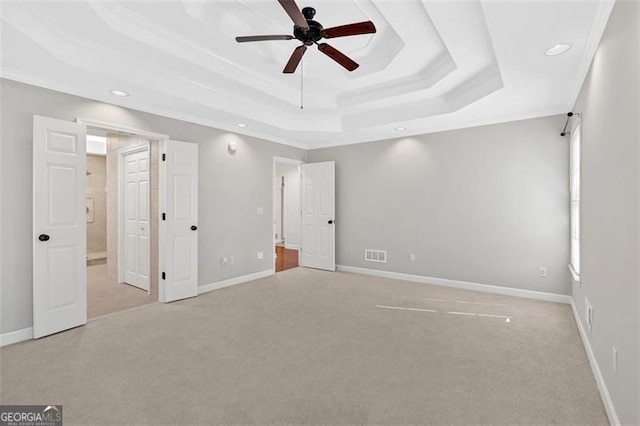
x=122, y=154
x=160, y=137
x=113, y=127
x=284, y=214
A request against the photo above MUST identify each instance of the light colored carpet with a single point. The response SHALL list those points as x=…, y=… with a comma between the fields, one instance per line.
x=105, y=296
x=311, y=347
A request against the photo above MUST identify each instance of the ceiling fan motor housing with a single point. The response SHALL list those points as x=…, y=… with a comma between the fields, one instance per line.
x=315, y=31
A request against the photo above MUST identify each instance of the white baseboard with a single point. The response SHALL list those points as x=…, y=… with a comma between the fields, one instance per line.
x=16, y=336
x=233, y=281
x=602, y=386
x=529, y=294
x=291, y=246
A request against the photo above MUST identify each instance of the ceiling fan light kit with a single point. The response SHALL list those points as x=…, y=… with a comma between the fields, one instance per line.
x=310, y=32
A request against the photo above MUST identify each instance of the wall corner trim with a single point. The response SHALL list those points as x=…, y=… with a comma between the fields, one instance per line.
x=233, y=281
x=507, y=291
x=16, y=336
x=602, y=386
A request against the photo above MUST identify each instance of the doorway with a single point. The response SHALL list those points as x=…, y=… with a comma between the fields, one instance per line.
x=286, y=213
x=122, y=237
x=60, y=216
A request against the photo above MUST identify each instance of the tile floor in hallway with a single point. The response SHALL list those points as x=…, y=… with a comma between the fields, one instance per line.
x=106, y=297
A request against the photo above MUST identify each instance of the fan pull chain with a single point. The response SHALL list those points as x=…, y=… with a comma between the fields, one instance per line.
x=302, y=84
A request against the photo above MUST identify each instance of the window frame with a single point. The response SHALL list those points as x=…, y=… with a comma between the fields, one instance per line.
x=574, y=202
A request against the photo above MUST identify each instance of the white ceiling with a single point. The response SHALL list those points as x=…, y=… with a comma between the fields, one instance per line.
x=432, y=65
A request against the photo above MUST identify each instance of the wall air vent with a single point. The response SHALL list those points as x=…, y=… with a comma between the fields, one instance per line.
x=379, y=256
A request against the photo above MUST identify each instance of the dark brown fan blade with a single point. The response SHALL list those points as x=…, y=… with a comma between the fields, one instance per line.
x=295, y=59
x=366, y=27
x=245, y=39
x=294, y=13
x=338, y=56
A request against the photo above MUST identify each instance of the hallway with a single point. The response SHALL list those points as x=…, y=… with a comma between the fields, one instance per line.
x=105, y=297
x=285, y=258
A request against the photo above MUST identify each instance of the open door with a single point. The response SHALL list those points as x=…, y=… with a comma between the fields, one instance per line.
x=318, y=216
x=59, y=226
x=179, y=224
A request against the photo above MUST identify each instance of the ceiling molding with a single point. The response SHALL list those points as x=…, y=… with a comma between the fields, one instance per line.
x=481, y=84
x=433, y=72
x=599, y=25
x=130, y=24
x=431, y=65
x=91, y=56
x=38, y=81
x=440, y=127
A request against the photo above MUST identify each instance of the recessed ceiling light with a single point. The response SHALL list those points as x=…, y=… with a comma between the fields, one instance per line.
x=119, y=93
x=241, y=125
x=557, y=49
x=399, y=129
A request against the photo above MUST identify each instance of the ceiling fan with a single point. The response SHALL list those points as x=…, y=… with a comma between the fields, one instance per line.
x=309, y=32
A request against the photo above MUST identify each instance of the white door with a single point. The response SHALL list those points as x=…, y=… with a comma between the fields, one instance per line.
x=318, y=216
x=179, y=227
x=59, y=226
x=137, y=243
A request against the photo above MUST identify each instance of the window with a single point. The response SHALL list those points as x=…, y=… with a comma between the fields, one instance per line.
x=574, y=170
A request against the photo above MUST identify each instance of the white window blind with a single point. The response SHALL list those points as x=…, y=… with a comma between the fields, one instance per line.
x=574, y=170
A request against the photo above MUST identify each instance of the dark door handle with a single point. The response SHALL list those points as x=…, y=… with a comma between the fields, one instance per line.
x=43, y=237
x=194, y=228
x=330, y=222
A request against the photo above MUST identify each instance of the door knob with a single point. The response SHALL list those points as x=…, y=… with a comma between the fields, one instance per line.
x=194, y=228
x=330, y=222
x=43, y=237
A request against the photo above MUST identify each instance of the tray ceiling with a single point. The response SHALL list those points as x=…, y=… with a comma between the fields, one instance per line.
x=431, y=66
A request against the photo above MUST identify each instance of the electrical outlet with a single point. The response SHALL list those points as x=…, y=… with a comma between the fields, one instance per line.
x=260, y=255
x=412, y=257
x=588, y=313
x=232, y=260
x=542, y=271
x=260, y=211
x=614, y=359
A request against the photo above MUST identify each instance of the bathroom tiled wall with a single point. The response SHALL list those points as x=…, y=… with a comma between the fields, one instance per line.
x=96, y=190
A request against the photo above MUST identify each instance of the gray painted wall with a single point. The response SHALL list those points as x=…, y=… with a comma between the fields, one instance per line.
x=487, y=205
x=231, y=188
x=609, y=103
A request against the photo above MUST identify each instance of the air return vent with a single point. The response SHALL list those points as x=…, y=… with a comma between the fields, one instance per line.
x=379, y=256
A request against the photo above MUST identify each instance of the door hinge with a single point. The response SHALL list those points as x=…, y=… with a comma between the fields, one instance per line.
x=164, y=216
x=164, y=276
x=164, y=157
